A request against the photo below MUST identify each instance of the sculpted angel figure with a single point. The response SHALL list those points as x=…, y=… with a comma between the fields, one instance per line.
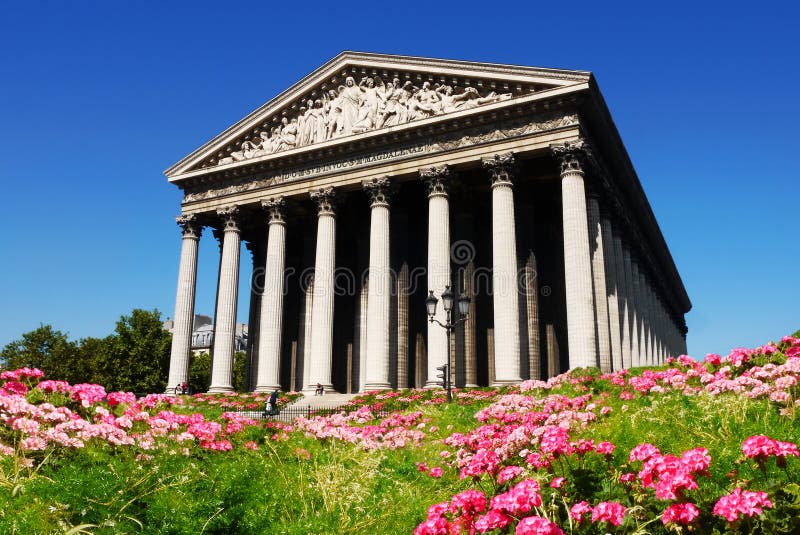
x=389, y=114
x=450, y=102
x=368, y=106
x=333, y=113
x=471, y=98
x=246, y=151
x=406, y=94
x=265, y=146
x=287, y=134
x=428, y=101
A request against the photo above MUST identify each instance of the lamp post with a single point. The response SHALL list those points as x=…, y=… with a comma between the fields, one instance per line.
x=461, y=315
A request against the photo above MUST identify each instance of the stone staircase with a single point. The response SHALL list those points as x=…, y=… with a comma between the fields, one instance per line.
x=326, y=401
x=304, y=406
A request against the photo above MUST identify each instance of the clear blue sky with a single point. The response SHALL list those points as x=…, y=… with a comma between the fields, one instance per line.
x=98, y=98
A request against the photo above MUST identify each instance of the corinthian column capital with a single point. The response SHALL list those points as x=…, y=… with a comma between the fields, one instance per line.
x=276, y=208
x=230, y=216
x=190, y=227
x=326, y=201
x=500, y=168
x=572, y=154
x=379, y=189
x=436, y=179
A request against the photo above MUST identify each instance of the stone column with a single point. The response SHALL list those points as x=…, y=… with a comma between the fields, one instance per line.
x=380, y=285
x=662, y=354
x=636, y=318
x=642, y=300
x=624, y=325
x=322, y=306
x=612, y=287
x=269, y=347
x=505, y=293
x=651, y=318
x=254, y=316
x=471, y=329
x=532, y=304
x=225, y=335
x=628, y=327
x=402, y=326
x=184, y=302
x=577, y=261
x=597, y=247
x=360, y=340
x=438, y=264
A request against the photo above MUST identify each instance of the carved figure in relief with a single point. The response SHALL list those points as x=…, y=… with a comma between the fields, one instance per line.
x=305, y=124
x=333, y=113
x=351, y=101
x=352, y=109
x=368, y=111
x=388, y=114
x=317, y=127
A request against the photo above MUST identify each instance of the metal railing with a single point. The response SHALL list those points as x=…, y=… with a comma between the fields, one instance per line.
x=290, y=413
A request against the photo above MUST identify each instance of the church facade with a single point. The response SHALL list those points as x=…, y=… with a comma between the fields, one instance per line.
x=378, y=179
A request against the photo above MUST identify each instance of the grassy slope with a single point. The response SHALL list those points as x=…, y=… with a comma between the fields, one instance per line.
x=341, y=488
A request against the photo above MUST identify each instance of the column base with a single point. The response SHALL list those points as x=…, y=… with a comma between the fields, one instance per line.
x=506, y=382
x=327, y=389
x=433, y=385
x=220, y=389
x=377, y=386
x=471, y=386
x=262, y=389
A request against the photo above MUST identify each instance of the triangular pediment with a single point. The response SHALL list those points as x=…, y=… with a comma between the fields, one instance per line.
x=359, y=93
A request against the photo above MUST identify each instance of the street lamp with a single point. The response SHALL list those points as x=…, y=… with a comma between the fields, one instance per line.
x=461, y=315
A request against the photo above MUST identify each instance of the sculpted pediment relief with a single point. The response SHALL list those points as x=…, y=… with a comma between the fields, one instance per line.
x=356, y=108
x=359, y=93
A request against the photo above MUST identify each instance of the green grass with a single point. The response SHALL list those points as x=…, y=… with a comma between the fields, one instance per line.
x=341, y=488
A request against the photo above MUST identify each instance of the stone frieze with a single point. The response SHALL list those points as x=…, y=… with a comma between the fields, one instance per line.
x=443, y=143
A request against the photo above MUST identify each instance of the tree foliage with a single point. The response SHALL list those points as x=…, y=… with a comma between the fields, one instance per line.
x=135, y=358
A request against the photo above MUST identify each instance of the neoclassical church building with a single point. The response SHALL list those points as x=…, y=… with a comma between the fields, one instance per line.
x=378, y=179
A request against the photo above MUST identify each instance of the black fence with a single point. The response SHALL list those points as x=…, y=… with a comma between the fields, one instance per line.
x=290, y=413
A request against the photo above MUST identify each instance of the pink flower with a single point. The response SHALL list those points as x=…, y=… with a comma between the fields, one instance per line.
x=536, y=525
x=642, y=452
x=784, y=449
x=436, y=526
x=519, y=499
x=760, y=447
x=250, y=445
x=468, y=502
x=696, y=460
x=612, y=512
x=680, y=513
x=605, y=448
x=508, y=473
x=557, y=482
x=580, y=509
x=492, y=520
x=741, y=501
x=436, y=472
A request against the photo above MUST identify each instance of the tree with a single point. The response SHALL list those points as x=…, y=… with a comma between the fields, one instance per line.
x=47, y=349
x=200, y=371
x=139, y=353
